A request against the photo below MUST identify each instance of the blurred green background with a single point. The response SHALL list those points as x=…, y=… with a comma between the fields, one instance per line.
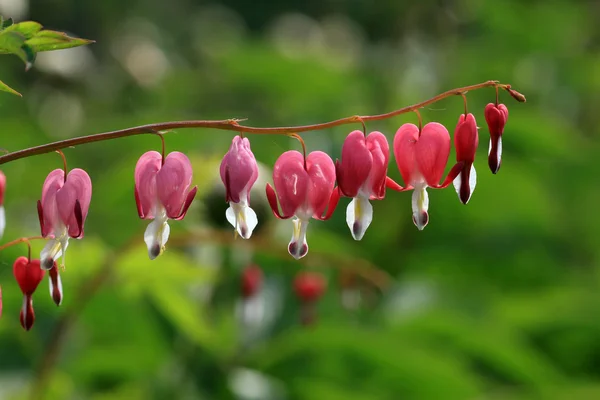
x=495, y=300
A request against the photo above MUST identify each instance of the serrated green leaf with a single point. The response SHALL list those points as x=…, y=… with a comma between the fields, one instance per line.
x=14, y=43
x=28, y=28
x=5, y=88
x=53, y=40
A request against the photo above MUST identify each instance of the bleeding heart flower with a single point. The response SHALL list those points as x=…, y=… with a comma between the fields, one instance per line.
x=466, y=140
x=239, y=171
x=62, y=211
x=305, y=188
x=28, y=274
x=2, y=215
x=309, y=287
x=362, y=175
x=496, y=117
x=252, y=277
x=421, y=159
x=161, y=193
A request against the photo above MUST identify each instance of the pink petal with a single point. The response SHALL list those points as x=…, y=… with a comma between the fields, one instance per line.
x=321, y=172
x=392, y=184
x=73, y=201
x=466, y=138
x=291, y=181
x=496, y=117
x=404, y=144
x=172, y=183
x=432, y=151
x=2, y=187
x=50, y=216
x=239, y=169
x=354, y=168
x=146, y=170
x=380, y=151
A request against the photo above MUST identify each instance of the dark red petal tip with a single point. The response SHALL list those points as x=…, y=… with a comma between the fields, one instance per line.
x=188, y=202
x=272, y=198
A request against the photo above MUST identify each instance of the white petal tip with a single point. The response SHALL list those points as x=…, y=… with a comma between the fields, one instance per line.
x=359, y=215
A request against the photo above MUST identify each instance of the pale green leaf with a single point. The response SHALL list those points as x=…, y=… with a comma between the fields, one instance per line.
x=5, y=88
x=53, y=40
x=28, y=28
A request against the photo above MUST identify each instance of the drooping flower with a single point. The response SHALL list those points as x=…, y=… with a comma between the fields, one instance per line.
x=252, y=277
x=28, y=274
x=309, y=287
x=421, y=158
x=305, y=188
x=62, y=211
x=2, y=214
x=162, y=193
x=362, y=175
x=466, y=140
x=239, y=172
x=496, y=116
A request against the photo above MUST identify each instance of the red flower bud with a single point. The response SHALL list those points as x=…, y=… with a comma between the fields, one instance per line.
x=28, y=274
x=252, y=277
x=496, y=117
x=309, y=286
x=466, y=140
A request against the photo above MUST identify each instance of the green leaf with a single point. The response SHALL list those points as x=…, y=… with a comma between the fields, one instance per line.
x=28, y=28
x=14, y=43
x=5, y=88
x=5, y=23
x=53, y=40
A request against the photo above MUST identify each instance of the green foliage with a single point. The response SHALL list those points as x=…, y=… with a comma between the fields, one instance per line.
x=496, y=300
x=25, y=39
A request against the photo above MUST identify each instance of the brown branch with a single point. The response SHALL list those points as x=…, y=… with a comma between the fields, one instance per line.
x=233, y=124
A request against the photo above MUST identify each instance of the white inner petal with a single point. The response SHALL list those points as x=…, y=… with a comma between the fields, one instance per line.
x=298, y=246
x=157, y=234
x=420, y=205
x=472, y=182
x=53, y=249
x=242, y=218
x=499, y=150
x=2, y=221
x=359, y=215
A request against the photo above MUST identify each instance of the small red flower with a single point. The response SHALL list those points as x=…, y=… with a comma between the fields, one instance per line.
x=309, y=286
x=466, y=140
x=252, y=277
x=28, y=274
x=496, y=116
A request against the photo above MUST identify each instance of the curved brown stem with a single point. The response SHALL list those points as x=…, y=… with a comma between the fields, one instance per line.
x=233, y=124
